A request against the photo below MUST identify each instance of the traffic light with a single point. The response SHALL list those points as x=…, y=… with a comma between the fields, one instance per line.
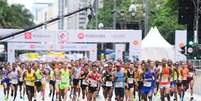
x=186, y=11
x=190, y=47
x=190, y=40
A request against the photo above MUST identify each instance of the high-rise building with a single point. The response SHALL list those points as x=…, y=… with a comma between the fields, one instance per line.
x=45, y=11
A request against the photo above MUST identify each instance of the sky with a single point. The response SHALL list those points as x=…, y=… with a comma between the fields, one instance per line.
x=27, y=3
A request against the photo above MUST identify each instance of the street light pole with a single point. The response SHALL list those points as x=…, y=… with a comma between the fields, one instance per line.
x=146, y=16
x=61, y=13
x=114, y=14
x=197, y=21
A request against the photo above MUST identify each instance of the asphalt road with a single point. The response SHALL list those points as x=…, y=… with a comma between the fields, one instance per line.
x=99, y=98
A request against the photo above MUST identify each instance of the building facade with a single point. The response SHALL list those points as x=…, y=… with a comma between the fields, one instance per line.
x=46, y=11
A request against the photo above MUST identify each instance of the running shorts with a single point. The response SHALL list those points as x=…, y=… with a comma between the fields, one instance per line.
x=30, y=90
x=52, y=82
x=75, y=82
x=119, y=92
x=92, y=89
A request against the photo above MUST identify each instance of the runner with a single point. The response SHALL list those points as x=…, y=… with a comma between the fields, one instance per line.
x=84, y=83
x=157, y=68
x=179, y=82
x=14, y=78
x=130, y=82
x=119, y=82
x=165, y=81
x=107, y=79
x=76, y=83
x=6, y=81
x=44, y=71
x=29, y=82
x=38, y=82
x=52, y=82
x=191, y=77
x=175, y=77
x=148, y=78
x=185, y=82
x=21, y=69
x=93, y=78
x=65, y=83
x=58, y=66
x=138, y=78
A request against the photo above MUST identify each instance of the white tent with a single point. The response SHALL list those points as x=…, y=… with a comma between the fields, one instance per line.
x=155, y=47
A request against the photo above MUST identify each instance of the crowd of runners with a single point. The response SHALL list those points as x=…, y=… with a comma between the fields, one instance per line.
x=82, y=80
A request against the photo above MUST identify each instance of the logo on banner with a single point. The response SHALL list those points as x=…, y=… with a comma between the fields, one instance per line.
x=61, y=47
x=181, y=44
x=28, y=35
x=32, y=46
x=80, y=35
x=135, y=42
x=63, y=36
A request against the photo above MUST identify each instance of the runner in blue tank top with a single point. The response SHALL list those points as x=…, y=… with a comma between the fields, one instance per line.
x=119, y=82
x=147, y=88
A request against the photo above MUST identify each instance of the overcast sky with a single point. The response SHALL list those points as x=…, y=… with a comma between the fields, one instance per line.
x=27, y=3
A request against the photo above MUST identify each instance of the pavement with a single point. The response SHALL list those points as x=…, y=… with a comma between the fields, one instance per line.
x=99, y=98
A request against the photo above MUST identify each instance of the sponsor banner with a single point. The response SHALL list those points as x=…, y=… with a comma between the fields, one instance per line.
x=78, y=36
x=92, y=48
x=180, y=39
x=119, y=48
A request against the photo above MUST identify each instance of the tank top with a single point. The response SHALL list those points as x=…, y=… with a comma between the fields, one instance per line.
x=165, y=74
x=84, y=81
x=38, y=74
x=148, y=75
x=107, y=76
x=93, y=79
x=29, y=79
x=65, y=76
x=175, y=75
x=119, y=79
x=148, y=78
x=84, y=75
x=76, y=73
x=130, y=77
x=52, y=75
x=14, y=77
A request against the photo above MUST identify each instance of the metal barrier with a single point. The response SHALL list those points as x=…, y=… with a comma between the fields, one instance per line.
x=196, y=64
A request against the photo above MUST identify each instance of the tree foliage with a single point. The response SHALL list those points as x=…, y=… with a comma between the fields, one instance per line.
x=14, y=16
x=162, y=13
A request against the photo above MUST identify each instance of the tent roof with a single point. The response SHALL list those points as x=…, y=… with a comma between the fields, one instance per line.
x=154, y=39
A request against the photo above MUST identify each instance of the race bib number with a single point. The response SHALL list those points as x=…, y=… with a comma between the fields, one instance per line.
x=21, y=79
x=130, y=80
x=14, y=81
x=84, y=82
x=109, y=84
x=5, y=85
x=147, y=84
x=119, y=84
x=94, y=83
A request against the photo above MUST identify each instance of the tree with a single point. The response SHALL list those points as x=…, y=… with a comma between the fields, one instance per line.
x=162, y=13
x=14, y=16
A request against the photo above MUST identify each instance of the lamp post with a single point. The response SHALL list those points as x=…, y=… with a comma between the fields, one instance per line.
x=114, y=14
x=146, y=16
x=197, y=17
